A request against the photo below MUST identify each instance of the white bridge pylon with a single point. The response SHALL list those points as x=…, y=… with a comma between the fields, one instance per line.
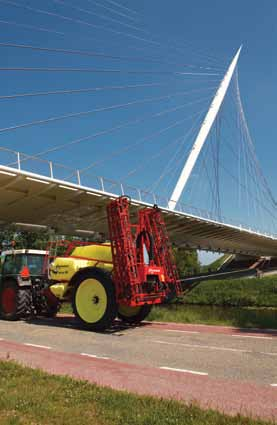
x=203, y=132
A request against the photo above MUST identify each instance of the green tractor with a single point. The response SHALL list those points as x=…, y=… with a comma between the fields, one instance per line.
x=23, y=289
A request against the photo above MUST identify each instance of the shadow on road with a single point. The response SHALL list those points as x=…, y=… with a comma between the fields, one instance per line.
x=70, y=322
x=119, y=328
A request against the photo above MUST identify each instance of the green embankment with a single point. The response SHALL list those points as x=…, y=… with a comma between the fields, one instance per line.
x=33, y=397
x=252, y=292
x=215, y=265
x=239, y=317
x=248, y=303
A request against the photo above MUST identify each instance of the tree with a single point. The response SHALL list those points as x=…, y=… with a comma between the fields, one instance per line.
x=19, y=239
x=11, y=236
x=187, y=261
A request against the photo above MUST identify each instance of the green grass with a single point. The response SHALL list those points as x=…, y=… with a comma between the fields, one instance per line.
x=239, y=302
x=215, y=264
x=209, y=315
x=32, y=397
x=66, y=308
x=243, y=292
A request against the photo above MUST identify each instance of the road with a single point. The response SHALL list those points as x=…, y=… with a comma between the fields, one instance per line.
x=233, y=370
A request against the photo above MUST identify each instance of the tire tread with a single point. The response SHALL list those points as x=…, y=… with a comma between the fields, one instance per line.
x=102, y=276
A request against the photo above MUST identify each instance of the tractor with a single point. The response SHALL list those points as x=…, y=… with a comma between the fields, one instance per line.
x=122, y=278
x=23, y=289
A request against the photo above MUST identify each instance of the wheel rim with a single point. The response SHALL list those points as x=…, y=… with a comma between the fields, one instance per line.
x=127, y=311
x=9, y=300
x=91, y=300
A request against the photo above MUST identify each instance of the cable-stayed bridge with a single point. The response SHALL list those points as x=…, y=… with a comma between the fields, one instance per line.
x=32, y=200
x=95, y=93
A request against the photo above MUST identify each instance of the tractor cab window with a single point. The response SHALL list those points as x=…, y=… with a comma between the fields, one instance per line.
x=9, y=266
x=34, y=263
x=13, y=264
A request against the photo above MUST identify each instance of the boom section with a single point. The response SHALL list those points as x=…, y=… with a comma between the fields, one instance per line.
x=144, y=271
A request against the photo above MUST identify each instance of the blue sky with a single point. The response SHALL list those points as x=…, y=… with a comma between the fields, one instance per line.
x=221, y=27
x=203, y=29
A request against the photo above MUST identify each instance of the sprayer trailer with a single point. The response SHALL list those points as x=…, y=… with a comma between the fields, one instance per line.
x=122, y=278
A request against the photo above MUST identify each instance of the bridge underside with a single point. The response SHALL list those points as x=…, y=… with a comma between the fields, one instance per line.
x=72, y=209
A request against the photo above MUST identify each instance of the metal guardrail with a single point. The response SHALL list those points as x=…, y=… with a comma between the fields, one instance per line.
x=33, y=164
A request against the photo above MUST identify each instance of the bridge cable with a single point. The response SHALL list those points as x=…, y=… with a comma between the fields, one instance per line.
x=156, y=155
x=172, y=161
x=89, y=53
x=88, y=12
x=109, y=131
x=96, y=110
x=63, y=34
x=79, y=21
x=131, y=18
x=134, y=144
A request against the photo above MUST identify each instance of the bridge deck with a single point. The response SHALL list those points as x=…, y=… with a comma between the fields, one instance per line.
x=71, y=208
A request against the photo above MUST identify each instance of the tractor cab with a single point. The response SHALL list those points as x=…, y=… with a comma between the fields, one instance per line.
x=22, y=265
x=23, y=287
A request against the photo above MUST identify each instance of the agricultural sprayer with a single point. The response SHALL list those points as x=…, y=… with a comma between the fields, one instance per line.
x=123, y=278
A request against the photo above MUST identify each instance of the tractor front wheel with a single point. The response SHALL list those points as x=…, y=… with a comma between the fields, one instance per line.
x=52, y=310
x=15, y=302
x=51, y=305
x=94, y=302
x=133, y=315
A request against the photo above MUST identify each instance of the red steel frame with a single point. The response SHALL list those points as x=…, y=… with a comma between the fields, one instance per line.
x=151, y=219
x=130, y=274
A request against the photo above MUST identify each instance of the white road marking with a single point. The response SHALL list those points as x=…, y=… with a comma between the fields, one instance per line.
x=94, y=356
x=185, y=332
x=268, y=354
x=273, y=385
x=37, y=346
x=252, y=336
x=209, y=347
x=194, y=372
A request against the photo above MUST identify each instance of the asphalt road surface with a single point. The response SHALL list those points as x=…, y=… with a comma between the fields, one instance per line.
x=233, y=370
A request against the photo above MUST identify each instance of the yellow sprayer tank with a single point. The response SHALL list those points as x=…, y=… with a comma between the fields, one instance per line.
x=63, y=269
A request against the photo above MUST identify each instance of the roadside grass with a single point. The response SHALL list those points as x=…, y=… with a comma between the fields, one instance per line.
x=244, y=303
x=251, y=292
x=210, y=315
x=32, y=397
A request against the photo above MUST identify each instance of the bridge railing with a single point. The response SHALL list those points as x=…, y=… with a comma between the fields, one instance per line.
x=43, y=167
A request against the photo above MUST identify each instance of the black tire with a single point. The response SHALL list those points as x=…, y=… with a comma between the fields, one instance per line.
x=137, y=317
x=52, y=310
x=20, y=307
x=104, y=308
x=51, y=304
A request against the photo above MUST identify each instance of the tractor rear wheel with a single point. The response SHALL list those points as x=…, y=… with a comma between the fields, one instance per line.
x=94, y=302
x=133, y=315
x=15, y=302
